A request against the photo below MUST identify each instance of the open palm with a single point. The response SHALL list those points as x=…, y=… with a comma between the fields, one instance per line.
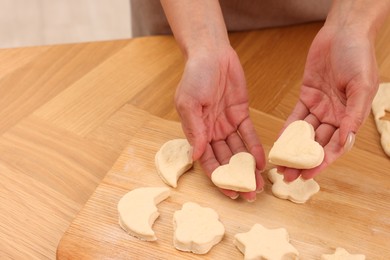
x=339, y=83
x=212, y=102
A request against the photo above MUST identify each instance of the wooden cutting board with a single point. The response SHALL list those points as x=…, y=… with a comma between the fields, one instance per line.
x=352, y=210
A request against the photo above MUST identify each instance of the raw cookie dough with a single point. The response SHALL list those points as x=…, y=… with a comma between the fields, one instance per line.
x=263, y=243
x=197, y=229
x=380, y=105
x=298, y=191
x=238, y=175
x=137, y=211
x=172, y=160
x=296, y=147
x=342, y=254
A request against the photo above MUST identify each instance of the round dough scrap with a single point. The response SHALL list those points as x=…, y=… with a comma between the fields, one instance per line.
x=197, y=229
x=380, y=105
x=298, y=191
x=238, y=174
x=296, y=147
x=342, y=254
x=173, y=160
x=264, y=243
x=137, y=211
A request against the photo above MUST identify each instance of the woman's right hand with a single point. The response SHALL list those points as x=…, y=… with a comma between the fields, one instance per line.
x=212, y=102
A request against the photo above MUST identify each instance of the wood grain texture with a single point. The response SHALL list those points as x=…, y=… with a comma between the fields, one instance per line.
x=350, y=211
x=67, y=112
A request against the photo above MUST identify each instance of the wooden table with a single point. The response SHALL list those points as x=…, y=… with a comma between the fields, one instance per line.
x=68, y=112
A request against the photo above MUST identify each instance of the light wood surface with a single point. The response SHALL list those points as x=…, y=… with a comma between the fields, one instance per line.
x=67, y=112
x=351, y=211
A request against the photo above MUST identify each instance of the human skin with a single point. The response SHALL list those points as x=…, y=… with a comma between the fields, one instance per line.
x=340, y=78
x=339, y=82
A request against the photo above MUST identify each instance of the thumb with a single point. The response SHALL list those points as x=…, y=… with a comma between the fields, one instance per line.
x=195, y=130
x=356, y=113
x=197, y=140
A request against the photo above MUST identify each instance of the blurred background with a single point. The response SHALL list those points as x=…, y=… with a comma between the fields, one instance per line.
x=46, y=22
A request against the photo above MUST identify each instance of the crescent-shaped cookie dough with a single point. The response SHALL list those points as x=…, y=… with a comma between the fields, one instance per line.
x=137, y=211
x=296, y=147
x=173, y=160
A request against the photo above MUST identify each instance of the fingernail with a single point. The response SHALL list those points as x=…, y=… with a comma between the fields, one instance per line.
x=289, y=180
x=251, y=200
x=259, y=190
x=349, y=142
x=235, y=196
x=190, y=153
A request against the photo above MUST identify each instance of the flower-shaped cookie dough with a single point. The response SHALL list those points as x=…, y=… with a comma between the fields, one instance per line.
x=296, y=147
x=197, y=229
x=342, y=254
x=173, y=160
x=238, y=175
x=298, y=191
x=263, y=243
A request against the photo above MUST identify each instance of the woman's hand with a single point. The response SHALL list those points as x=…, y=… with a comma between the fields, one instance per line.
x=212, y=102
x=339, y=83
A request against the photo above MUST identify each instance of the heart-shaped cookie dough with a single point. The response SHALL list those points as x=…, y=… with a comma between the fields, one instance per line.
x=238, y=175
x=296, y=147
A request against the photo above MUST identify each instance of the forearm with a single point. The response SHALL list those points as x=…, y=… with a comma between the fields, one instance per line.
x=196, y=24
x=363, y=16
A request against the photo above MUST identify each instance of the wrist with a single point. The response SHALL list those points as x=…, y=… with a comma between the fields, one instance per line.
x=198, y=26
x=210, y=48
x=359, y=17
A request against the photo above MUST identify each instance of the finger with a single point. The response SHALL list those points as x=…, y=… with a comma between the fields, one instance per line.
x=291, y=174
x=221, y=151
x=230, y=193
x=235, y=143
x=259, y=182
x=300, y=112
x=357, y=110
x=209, y=163
x=312, y=119
x=324, y=133
x=280, y=169
x=251, y=196
x=332, y=151
x=350, y=142
x=252, y=141
x=194, y=127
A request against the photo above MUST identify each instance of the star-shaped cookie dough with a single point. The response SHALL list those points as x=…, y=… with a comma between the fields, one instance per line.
x=263, y=243
x=342, y=254
x=298, y=191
